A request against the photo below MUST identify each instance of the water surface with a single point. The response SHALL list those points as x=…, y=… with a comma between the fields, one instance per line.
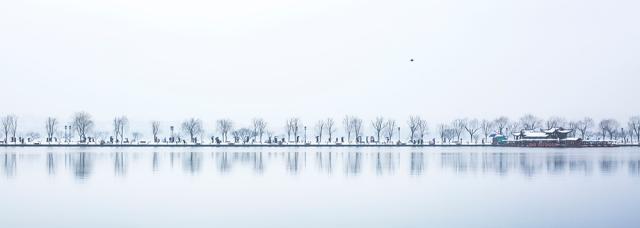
x=319, y=187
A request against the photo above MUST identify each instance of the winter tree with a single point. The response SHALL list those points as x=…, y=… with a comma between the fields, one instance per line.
x=413, y=123
x=82, y=124
x=357, y=127
x=501, y=123
x=471, y=126
x=487, y=128
x=608, y=126
x=555, y=122
x=348, y=126
x=51, y=126
x=259, y=127
x=457, y=126
x=583, y=126
x=193, y=128
x=442, y=130
x=320, y=125
x=634, y=126
x=224, y=126
x=293, y=128
x=155, y=130
x=120, y=124
x=378, y=126
x=330, y=126
x=390, y=128
x=423, y=130
x=529, y=122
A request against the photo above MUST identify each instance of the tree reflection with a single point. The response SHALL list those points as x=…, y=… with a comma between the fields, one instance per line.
x=51, y=164
x=10, y=164
x=417, y=163
x=191, y=162
x=529, y=164
x=119, y=164
x=293, y=162
x=353, y=163
x=81, y=164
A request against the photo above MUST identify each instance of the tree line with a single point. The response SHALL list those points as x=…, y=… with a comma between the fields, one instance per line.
x=81, y=128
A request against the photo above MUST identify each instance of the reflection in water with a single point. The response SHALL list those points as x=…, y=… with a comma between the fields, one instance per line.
x=417, y=163
x=81, y=164
x=119, y=164
x=223, y=163
x=9, y=164
x=191, y=162
x=385, y=163
x=634, y=167
x=352, y=163
x=154, y=162
x=348, y=163
x=51, y=164
x=293, y=162
x=325, y=162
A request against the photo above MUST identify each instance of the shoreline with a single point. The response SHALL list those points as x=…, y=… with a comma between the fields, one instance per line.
x=285, y=145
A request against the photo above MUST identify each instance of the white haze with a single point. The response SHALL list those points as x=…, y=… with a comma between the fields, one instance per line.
x=170, y=60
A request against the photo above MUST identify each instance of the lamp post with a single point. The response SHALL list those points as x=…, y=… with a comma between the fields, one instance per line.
x=305, y=134
x=171, y=139
x=398, y=135
x=66, y=136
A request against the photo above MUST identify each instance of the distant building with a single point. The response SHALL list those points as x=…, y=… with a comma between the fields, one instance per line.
x=553, y=133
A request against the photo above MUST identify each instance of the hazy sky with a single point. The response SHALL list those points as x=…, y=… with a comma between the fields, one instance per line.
x=169, y=60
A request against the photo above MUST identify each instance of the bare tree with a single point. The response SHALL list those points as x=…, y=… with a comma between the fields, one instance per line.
x=357, y=127
x=487, y=128
x=529, y=122
x=320, y=129
x=293, y=128
x=193, y=128
x=501, y=123
x=423, y=129
x=513, y=127
x=390, y=128
x=242, y=135
x=224, y=126
x=573, y=125
x=7, y=121
x=348, y=127
x=51, y=126
x=471, y=126
x=82, y=124
x=442, y=129
x=259, y=126
x=584, y=125
x=457, y=126
x=119, y=126
x=608, y=126
x=413, y=122
x=136, y=135
x=33, y=135
x=9, y=126
x=330, y=125
x=555, y=122
x=155, y=130
x=378, y=126
x=634, y=126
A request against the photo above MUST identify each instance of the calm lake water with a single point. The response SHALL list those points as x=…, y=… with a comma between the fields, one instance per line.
x=319, y=187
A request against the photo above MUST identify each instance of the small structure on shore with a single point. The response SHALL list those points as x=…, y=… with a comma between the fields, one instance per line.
x=553, y=137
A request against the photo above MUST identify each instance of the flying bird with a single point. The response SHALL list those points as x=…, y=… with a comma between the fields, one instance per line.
x=411, y=60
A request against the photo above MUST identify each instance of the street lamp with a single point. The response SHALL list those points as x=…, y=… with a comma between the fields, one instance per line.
x=398, y=134
x=171, y=139
x=305, y=134
x=66, y=136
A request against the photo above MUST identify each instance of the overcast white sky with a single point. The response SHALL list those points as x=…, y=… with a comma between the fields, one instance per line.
x=169, y=60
